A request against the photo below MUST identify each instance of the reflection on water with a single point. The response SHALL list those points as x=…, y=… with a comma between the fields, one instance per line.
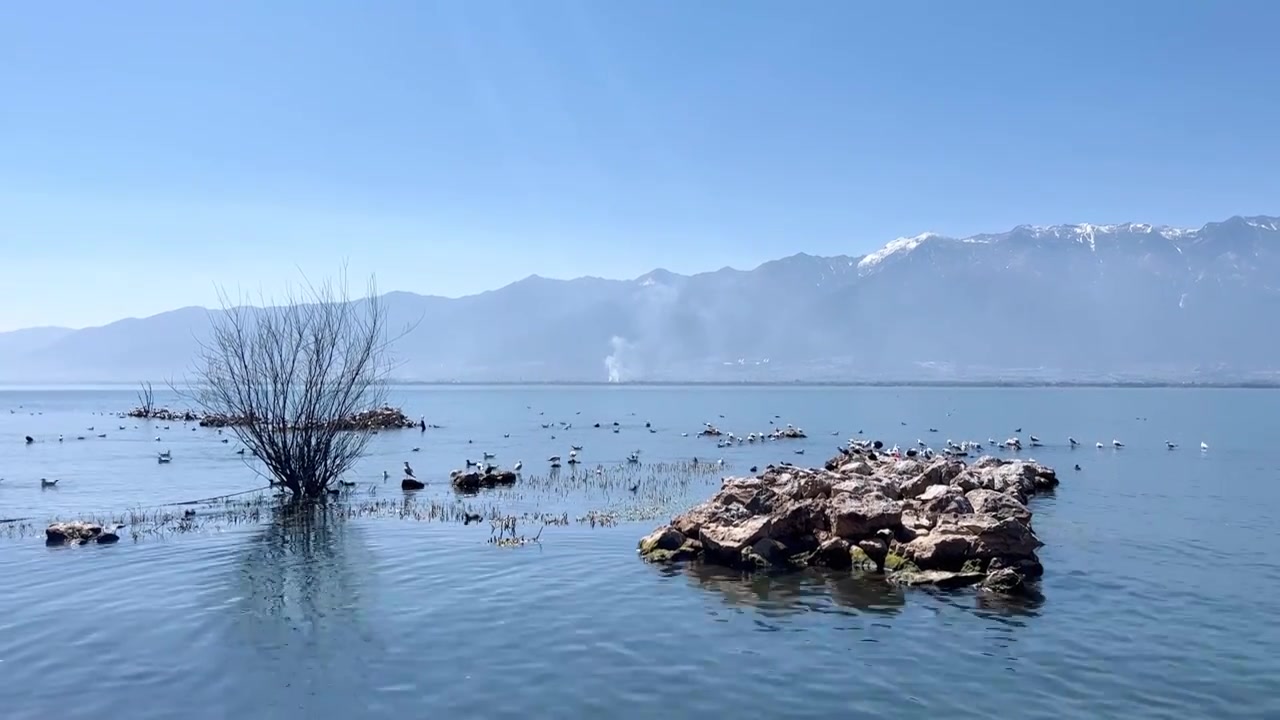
x=779, y=593
x=297, y=567
x=297, y=608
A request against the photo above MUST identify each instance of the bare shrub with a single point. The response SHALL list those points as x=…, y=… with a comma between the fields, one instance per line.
x=294, y=372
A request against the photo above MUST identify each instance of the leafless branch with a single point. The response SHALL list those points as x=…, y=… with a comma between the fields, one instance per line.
x=292, y=372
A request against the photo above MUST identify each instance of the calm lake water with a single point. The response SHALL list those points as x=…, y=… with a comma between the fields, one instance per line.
x=1162, y=569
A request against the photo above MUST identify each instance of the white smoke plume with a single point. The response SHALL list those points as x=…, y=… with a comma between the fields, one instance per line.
x=615, y=363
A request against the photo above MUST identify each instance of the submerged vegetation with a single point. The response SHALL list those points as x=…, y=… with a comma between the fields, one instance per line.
x=514, y=516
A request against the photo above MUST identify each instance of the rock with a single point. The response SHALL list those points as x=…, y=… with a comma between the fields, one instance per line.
x=966, y=481
x=957, y=538
x=812, y=486
x=875, y=550
x=998, y=505
x=411, y=484
x=857, y=467
x=987, y=461
x=943, y=499
x=766, y=552
x=1028, y=567
x=78, y=533
x=474, y=481
x=939, y=473
x=666, y=538
x=726, y=542
x=938, y=550
x=383, y=418
x=937, y=578
x=855, y=517
x=942, y=523
x=835, y=552
x=1005, y=581
x=690, y=523
x=994, y=537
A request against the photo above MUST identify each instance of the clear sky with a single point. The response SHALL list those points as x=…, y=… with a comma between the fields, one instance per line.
x=150, y=151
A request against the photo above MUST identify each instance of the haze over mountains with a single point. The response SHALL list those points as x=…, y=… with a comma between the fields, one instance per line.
x=1066, y=302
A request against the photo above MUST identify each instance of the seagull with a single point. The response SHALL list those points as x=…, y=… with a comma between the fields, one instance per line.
x=1035, y=439
x=408, y=471
x=1204, y=447
x=47, y=483
x=1171, y=445
x=519, y=464
x=554, y=459
x=1117, y=444
x=1073, y=441
x=1099, y=445
x=488, y=456
x=385, y=475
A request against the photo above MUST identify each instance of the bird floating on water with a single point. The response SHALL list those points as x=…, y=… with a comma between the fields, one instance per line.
x=1204, y=447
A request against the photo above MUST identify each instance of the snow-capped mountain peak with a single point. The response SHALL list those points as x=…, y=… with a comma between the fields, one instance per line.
x=900, y=246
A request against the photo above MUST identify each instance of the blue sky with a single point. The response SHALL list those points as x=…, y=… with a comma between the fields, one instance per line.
x=151, y=151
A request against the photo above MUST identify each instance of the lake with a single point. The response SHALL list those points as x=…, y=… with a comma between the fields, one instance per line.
x=1161, y=567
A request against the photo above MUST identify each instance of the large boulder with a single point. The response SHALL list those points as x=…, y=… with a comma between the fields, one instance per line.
x=939, y=473
x=959, y=538
x=998, y=505
x=724, y=542
x=943, y=499
x=80, y=533
x=856, y=517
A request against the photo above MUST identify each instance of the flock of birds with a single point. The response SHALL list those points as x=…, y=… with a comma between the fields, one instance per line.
x=921, y=449
x=163, y=457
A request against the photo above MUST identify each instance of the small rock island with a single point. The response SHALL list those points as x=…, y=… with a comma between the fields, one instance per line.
x=943, y=523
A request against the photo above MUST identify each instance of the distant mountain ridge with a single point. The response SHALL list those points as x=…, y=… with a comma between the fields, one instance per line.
x=1065, y=302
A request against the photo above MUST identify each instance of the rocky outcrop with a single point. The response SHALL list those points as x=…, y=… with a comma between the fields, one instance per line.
x=80, y=533
x=471, y=481
x=788, y=433
x=383, y=418
x=941, y=523
x=143, y=412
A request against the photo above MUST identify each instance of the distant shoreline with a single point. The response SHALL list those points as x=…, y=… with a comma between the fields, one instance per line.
x=994, y=384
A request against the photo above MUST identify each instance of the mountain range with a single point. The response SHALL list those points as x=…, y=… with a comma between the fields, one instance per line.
x=1041, y=303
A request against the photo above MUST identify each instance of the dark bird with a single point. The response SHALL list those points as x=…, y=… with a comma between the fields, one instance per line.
x=30, y=439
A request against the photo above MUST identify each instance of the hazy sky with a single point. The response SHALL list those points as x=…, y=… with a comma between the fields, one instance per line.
x=149, y=151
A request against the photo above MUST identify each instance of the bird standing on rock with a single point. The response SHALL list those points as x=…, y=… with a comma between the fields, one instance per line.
x=408, y=471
